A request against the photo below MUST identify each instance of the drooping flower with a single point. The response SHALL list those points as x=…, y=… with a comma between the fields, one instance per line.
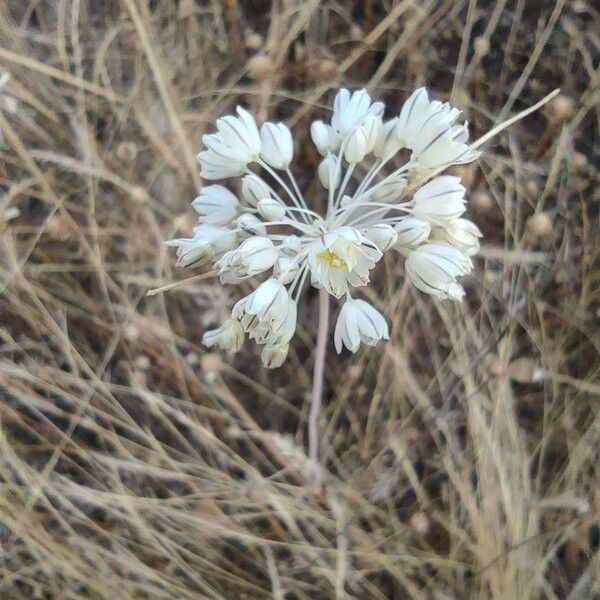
x=216, y=205
x=359, y=322
x=411, y=232
x=269, y=232
x=439, y=200
x=228, y=336
x=254, y=255
x=254, y=189
x=268, y=313
x=208, y=242
x=433, y=268
x=463, y=234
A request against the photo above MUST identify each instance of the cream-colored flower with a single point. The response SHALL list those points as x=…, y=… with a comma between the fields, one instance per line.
x=359, y=322
x=265, y=228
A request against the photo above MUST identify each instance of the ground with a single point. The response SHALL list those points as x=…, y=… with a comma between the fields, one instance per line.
x=461, y=457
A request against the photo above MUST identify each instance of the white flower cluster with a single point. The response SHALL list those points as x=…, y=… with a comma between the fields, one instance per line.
x=258, y=232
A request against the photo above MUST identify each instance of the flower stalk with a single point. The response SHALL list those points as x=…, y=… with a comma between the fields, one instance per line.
x=316, y=397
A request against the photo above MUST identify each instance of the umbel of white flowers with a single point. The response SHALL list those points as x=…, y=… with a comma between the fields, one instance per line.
x=268, y=230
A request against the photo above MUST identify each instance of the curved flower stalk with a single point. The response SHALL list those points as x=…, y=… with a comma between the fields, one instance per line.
x=267, y=230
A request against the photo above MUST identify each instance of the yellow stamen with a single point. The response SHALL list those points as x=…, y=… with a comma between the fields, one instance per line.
x=332, y=260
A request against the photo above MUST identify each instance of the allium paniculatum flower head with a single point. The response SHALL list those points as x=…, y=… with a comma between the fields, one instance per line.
x=269, y=231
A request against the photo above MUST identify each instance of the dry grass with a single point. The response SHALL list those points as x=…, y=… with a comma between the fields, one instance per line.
x=462, y=457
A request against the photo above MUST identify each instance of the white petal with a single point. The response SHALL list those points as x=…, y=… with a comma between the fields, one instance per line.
x=277, y=146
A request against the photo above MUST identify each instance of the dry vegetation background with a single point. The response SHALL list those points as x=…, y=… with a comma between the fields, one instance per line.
x=462, y=457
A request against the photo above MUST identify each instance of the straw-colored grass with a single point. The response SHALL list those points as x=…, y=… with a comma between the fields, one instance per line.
x=461, y=458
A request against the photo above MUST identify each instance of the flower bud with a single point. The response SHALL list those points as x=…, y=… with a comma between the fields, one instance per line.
x=440, y=199
x=328, y=172
x=277, y=146
x=411, y=232
x=390, y=191
x=383, y=235
x=286, y=269
x=387, y=143
x=251, y=224
x=216, y=205
x=271, y=209
x=372, y=126
x=254, y=255
x=254, y=189
x=356, y=146
x=323, y=137
x=433, y=269
x=291, y=244
x=464, y=235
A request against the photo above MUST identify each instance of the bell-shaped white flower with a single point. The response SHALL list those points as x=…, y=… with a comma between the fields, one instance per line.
x=419, y=118
x=390, y=190
x=277, y=145
x=411, y=232
x=267, y=309
x=350, y=110
x=388, y=143
x=251, y=225
x=439, y=200
x=411, y=117
x=433, y=268
x=445, y=147
x=229, y=336
x=359, y=322
x=324, y=138
x=208, y=241
x=383, y=235
x=283, y=329
x=373, y=126
x=240, y=133
x=329, y=174
x=356, y=146
x=340, y=258
x=254, y=255
x=277, y=341
x=217, y=166
x=232, y=148
x=271, y=209
x=463, y=234
x=254, y=189
x=216, y=205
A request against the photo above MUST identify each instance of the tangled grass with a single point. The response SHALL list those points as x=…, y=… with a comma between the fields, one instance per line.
x=461, y=457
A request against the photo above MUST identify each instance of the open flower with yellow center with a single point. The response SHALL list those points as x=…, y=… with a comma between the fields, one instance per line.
x=342, y=258
x=265, y=229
